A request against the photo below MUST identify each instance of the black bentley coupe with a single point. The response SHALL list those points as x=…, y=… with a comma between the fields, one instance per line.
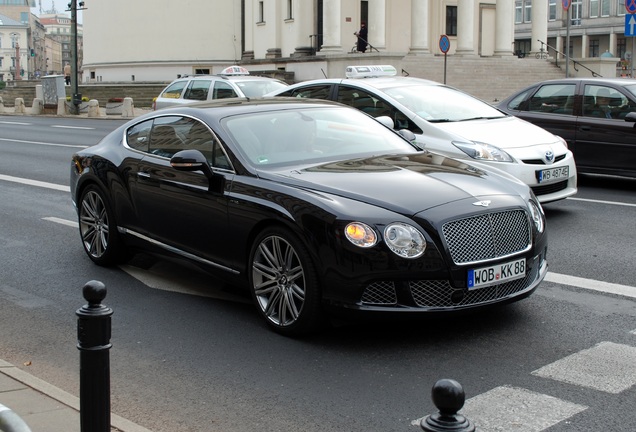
x=312, y=206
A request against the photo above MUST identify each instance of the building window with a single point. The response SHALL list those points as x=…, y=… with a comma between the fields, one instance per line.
x=576, y=8
x=599, y=8
x=621, y=7
x=552, y=8
x=451, y=20
x=261, y=11
x=523, y=11
x=594, y=48
x=605, y=8
x=290, y=10
x=593, y=8
x=621, y=47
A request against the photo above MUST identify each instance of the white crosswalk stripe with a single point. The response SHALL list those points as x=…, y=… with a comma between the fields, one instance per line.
x=607, y=367
x=509, y=409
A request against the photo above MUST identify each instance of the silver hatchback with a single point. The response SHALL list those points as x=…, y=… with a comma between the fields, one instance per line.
x=234, y=81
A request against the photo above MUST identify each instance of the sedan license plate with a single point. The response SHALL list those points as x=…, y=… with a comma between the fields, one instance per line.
x=485, y=276
x=551, y=174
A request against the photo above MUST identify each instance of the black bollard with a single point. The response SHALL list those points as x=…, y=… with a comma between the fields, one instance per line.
x=93, y=341
x=448, y=396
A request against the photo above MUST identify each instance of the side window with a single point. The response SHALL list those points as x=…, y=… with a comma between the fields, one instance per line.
x=199, y=137
x=375, y=107
x=605, y=102
x=173, y=91
x=518, y=102
x=553, y=98
x=313, y=92
x=223, y=90
x=137, y=136
x=166, y=137
x=198, y=90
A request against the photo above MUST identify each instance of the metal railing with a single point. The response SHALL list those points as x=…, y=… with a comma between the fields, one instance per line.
x=556, y=58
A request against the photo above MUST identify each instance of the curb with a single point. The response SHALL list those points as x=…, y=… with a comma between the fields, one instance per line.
x=63, y=397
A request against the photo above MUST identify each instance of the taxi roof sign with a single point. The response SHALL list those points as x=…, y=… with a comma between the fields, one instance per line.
x=370, y=71
x=235, y=70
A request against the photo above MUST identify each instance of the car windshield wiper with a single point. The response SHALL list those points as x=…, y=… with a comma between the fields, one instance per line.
x=481, y=118
x=443, y=120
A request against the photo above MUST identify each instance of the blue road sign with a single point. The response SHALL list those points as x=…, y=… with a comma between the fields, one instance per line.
x=630, y=24
x=630, y=6
x=566, y=4
x=444, y=43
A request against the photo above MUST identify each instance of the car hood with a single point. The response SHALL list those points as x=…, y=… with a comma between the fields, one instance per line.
x=505, y=133
x=406, y=184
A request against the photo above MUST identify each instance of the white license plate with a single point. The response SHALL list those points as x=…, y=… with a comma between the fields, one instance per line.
x=485, y=276
x=552, y=174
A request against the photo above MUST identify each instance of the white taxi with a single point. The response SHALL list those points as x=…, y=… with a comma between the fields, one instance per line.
x=233, y=81
x=454, y=123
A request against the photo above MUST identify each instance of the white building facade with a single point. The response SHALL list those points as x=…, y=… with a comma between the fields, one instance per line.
x=148, y=40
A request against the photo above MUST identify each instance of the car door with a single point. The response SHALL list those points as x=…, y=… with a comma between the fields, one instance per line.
x=550, y=106
x=180, y=209
x=605, y=141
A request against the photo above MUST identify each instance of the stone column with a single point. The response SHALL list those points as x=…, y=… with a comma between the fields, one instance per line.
x=419, y=27
x=539, y=25
x=465, y=27
x=504, y=28
x=331, y=38
x=377, y=24
x=585, y=46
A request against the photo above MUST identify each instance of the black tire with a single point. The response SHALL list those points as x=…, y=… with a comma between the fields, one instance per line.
x=98, y=229
x=284, y=283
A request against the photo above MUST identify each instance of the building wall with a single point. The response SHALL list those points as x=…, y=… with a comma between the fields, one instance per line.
x=131, y=37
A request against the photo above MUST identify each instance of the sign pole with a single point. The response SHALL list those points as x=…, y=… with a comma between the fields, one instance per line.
x=630, y=23
x=566, y=7
x=444, y=46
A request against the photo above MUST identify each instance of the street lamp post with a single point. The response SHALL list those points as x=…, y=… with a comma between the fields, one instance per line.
x=76, y=97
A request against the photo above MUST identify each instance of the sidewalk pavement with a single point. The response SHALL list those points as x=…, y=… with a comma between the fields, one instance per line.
x=45, y=408
x=5, y=110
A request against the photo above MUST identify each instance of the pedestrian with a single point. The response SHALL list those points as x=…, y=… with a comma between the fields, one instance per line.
x=67, y=73
x=362, y=37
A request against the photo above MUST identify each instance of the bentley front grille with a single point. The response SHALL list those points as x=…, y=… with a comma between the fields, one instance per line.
x=487, y=236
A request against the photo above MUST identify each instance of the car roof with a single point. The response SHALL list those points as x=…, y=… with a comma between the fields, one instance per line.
x=379, y=83
x=219, y=108
x=602, y=80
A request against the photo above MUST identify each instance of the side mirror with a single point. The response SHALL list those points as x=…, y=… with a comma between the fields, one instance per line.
x=407, y=135
x=386, y=121
x=631, y=117
x=191, y=160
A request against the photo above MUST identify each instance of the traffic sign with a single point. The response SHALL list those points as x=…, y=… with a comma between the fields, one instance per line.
x=444, y=43
x=630, y=25
x=630, y=6
x=566, y=4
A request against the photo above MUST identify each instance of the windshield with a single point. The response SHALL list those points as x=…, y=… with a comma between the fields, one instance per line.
x=442, y=104
x=311, y=135
x=631, y=88
x=258, y=88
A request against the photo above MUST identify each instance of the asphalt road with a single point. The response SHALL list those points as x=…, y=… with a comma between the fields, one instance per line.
x=190, y=356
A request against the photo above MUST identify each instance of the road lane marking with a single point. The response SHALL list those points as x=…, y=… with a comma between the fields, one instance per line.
x=16, y=123
x=590, y=284
x=62, y=221
x=603, y=202
x=35, y=183
x=607, y=367
x=44, y=143
x=72, y=127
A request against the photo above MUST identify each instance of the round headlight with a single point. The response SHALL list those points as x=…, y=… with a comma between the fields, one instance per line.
x=536, y=212
x=404, y=240
x=360, y=234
